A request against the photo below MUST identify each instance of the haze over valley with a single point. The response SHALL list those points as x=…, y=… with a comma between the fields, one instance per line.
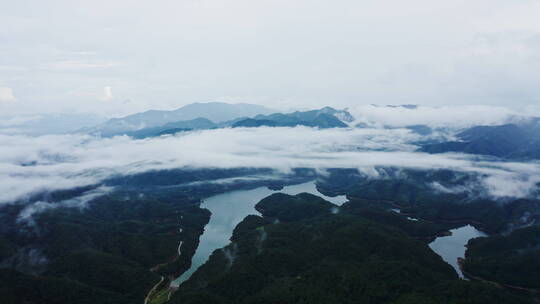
x=271, y=152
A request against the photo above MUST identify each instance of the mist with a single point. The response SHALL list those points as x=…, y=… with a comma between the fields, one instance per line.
x=449, y=116
x=30, y=165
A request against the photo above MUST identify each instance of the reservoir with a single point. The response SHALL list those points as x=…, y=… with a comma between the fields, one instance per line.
x=228, y=210
x=452, y=247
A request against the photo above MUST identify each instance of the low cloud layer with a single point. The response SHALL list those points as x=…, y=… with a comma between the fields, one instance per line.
x=27, y=214
x=29, y=165
x=453, y=117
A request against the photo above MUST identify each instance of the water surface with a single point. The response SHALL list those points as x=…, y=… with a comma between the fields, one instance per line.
x=228, y=210
x=452, y=247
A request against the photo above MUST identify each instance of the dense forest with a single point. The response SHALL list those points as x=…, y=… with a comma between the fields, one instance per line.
x=512, y=260
x=120, y=245
x=441, y=196
x=103, y=254
x=304, y=251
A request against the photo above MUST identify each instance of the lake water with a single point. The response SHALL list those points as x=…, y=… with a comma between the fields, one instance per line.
x=452, y=247
x=228, y=210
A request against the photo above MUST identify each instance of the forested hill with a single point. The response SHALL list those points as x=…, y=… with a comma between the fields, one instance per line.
x=510, y=141
x=306, y=250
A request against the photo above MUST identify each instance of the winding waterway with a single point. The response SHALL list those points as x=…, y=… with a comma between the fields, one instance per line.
x=452, y=247
x=228, y=210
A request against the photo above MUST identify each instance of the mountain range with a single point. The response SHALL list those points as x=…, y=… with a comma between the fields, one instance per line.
x=203, y=116
x=145, y=229
x=509, y=141
x=518, y=140
x=326, y=117
x=213, y=111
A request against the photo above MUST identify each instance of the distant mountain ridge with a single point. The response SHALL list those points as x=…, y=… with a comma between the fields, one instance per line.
x=511, y=141
x=174, y=127
x=519, y=140
x=136, y=125
x=326, y=117
x=214, y=111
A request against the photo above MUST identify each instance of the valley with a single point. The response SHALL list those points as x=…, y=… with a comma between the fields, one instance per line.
x=269, y=152
x=303, y=207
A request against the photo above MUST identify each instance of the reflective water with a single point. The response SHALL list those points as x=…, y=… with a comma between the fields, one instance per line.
x=452, y=247
x=229, y=209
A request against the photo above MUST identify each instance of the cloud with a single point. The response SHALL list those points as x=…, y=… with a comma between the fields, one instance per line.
x=6, y=95
x=29, y=165
x=69, y=65
x=454, y=117
x=107, y=94
x=17, y=120
x=265, y=52
x=26, y=216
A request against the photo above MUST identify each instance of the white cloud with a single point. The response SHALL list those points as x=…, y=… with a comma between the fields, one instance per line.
x=6, y=95
x=32, y=164
x=17, y=120
x=107, y=94
x=27, y=214
x=443, y=116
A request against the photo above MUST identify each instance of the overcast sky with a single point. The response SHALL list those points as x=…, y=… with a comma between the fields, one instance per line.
x=118, y=57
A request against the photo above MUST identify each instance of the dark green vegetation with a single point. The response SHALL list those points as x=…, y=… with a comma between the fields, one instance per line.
x=173, y=127
x=301, y=251
x=198, y=183
x=423, y=230
x=304, y=249
x=323, y=118
x=118, y=247
x=293, y=208
x=103, y=254
x=511, y=141
x=512, y=260
x=441, y=196
x=17, y=288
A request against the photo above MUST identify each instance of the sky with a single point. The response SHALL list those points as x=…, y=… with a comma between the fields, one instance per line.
x=119, y=57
